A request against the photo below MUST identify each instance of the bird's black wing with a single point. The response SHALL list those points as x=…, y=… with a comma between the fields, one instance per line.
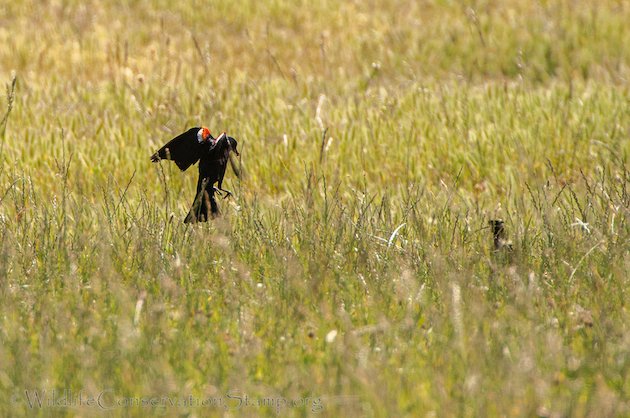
x=184, y=149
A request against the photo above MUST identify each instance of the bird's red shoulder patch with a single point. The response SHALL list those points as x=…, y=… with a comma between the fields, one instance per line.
x=203, y=134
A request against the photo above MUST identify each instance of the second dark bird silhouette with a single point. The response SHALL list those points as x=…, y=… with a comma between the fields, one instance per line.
x=213, y=154
x=499, y=237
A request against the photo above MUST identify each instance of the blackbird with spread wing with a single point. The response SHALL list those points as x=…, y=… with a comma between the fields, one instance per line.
x=197, y=144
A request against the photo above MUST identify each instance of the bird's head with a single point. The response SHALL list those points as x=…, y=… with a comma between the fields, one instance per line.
x=233, y=144
x=204, y=135
x=229, y=141
x=497, y=225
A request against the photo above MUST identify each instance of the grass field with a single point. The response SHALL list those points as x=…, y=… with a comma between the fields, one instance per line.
x=353, y=272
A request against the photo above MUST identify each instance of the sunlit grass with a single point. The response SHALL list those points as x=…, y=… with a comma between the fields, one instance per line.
x=354, y=264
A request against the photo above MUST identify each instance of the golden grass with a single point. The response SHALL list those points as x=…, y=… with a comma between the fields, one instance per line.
x=354, y=265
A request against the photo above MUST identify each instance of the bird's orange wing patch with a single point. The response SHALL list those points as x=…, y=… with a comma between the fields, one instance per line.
x=205, y=133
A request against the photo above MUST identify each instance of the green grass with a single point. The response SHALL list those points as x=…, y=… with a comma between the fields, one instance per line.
x=354, y=265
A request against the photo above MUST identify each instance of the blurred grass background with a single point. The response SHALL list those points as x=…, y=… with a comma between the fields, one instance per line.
x=354, y=264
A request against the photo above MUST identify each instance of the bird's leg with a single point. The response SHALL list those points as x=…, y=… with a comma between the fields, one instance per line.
x=218, y=191
x=227, y=192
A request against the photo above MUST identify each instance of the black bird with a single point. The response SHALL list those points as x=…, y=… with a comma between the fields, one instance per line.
x=499, y=236
x=197, y=144
x=212, y=170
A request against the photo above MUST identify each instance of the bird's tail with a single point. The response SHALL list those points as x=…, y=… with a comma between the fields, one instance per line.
x=199, y=209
